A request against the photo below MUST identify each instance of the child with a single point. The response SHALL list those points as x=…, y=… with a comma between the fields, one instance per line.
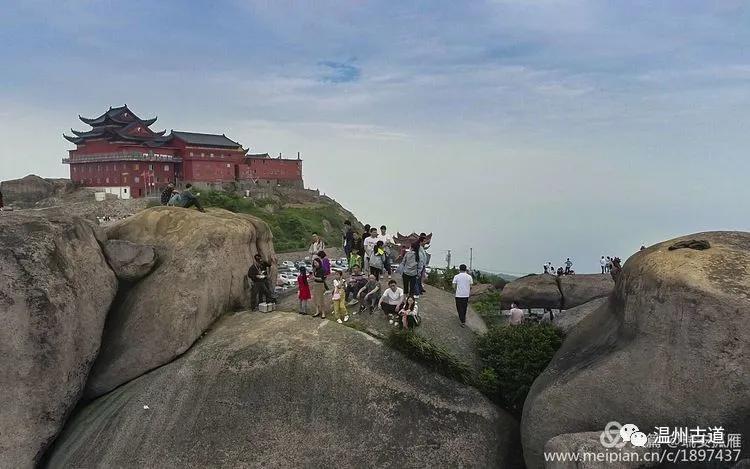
x=354, y=260
x=304, y=290
x=410, y=313
x=339, y=298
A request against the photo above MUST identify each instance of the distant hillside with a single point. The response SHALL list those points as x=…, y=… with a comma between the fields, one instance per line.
x=292, y=215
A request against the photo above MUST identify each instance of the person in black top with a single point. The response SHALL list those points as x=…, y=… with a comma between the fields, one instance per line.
x=166, y=194
x=259, y=291
x=348, y=238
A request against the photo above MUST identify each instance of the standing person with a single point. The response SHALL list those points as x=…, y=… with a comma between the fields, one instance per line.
x=355, y=260
x=259, y=291
x=603, y=262
x=316, y=246
x=369, y=244
x=568, y=265
x=325, y=262
x=339, y=298
x=546, y=270
x=387, y=244
x=304, y=290
x=516, y=315
x=410, y=313
x=369, y=294
x=391, y=301
x=462, y=282
x=359, y=242
x=348, y=238
x=319, y=288
x=377, y=260
x=166, y=194
x=424, y=260
x=410, y=269
x=608, y=265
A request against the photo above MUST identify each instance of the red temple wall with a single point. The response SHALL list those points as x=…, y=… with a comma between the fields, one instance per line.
x=122, y=174
x=271, y=168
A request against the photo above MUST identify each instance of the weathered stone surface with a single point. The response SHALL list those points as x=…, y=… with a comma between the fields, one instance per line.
x=130, y=261
x=670, y=348
x=591, y=454
x=203, y=262
x=27, y=191
x=567, y=320
x=532, y=291
x=55, y=290
x=582, y=288
x=283, y=390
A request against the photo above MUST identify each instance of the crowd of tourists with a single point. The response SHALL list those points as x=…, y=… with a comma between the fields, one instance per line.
x=367, y=283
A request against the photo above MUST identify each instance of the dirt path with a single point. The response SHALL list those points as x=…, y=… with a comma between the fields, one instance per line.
x=439, y=322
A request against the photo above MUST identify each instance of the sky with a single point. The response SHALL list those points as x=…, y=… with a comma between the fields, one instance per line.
x=530, y=131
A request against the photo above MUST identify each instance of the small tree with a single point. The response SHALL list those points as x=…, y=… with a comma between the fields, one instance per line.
x=514, y=356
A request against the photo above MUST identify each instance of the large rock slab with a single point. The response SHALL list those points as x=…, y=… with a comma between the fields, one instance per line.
x=283, y=390
x=29, y=190
x=201, y=274
x=582, y=288
x=568, y=319
x=532, y=291
x=670, y=348
x=130, y=261
x=55, y=290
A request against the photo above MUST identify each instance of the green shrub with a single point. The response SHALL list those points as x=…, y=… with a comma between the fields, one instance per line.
x=487, y=305
x=514, y=356
x=291, y=226
x=431, y=355
x=442, y=278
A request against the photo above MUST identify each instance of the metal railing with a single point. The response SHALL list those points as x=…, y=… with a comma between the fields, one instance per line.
x=111, y=157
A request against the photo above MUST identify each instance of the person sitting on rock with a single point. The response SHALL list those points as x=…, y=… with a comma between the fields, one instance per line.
x=560, y=272
x=259, y=291
x=410, y=313
x=369, y=294
x=189, y=199
x=356, y=282
x=166, y=194
x=391, y=301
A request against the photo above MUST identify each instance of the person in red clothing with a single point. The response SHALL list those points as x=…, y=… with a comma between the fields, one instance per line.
x=304, y=290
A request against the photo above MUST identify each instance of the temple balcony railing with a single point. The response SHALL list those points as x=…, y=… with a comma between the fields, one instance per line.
x=113, y=157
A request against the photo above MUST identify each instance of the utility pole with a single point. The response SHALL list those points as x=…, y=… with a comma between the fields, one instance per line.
x=448, y=259
x=471, y=258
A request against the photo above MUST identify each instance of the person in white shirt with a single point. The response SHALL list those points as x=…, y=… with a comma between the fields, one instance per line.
x=316, y=246
x=387, y=244
x=516, y=315
x=603, y=262
x=462, y=282
x=369, y=245
x=391, y=301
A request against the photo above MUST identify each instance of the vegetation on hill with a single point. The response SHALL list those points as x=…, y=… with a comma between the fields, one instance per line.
x=291, y=223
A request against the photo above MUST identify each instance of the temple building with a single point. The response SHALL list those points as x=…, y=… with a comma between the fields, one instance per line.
x=122, y=155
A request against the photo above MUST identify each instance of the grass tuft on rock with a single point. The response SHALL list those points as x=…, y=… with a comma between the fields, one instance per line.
x=431, y=355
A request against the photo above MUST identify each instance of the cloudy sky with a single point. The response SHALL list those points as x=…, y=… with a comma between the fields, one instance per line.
x=529, y=130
